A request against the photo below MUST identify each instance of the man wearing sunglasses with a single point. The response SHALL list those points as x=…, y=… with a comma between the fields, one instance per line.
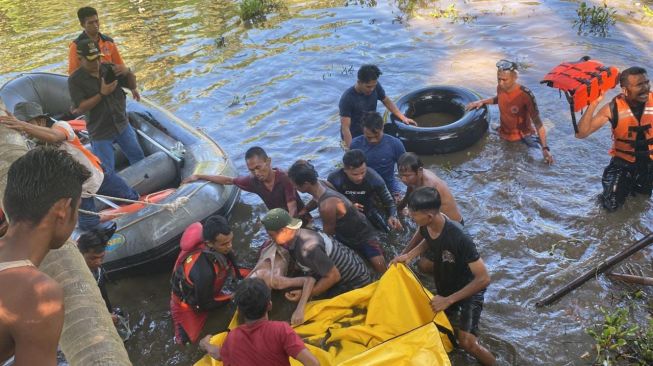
x=520, y=118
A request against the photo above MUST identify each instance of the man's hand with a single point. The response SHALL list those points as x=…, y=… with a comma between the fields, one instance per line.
x=439, y=303
x=212, y=350
x=548, y=158
x=359, y=207
x=136, y=95
x=121, y=70
x=190, y=179
x=474, y=105
x=297, y=317
x=106, y=89
x=114, y=318
x=12, y=122
x=394, y=223
x=409, y=121
x=294, y=295
x=399, y=259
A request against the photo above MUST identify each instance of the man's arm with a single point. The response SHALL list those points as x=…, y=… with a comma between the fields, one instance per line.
x=42, y=133
x=307, y=358
x=541, y=132
x=481, y=280
x=404, y=201
x=90, y=103
x=127, y=79
x=479, y=103
x=202, y=276
x=589, y=123
x=408, y=256
x=217, y=179
x=73, y=60
x=345, y=123
x=329, y=215
x=392, y=107
x=37, y=331
x=326, y=282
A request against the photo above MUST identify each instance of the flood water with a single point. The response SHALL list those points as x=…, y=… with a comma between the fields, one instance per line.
x=277, y=85
x=435, y=119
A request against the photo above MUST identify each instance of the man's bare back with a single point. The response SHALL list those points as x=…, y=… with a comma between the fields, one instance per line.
x=449, y=206
x=31, y=316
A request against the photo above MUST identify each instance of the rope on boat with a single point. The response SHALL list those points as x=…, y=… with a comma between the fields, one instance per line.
x=171, y=206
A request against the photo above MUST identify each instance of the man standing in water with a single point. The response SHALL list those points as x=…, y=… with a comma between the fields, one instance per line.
x=518, y=110
x=631, y=117
x=88, y=19
x=41, y=199
x=413, y=174
x=361, y=98
x=271, y=184
x=460, y=277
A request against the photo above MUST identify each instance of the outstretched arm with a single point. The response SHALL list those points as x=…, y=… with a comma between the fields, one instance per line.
x=217, y=179
x=392, y=107
x=306, y=283
x=481, y=280
x=42, y=133
x=479, y=103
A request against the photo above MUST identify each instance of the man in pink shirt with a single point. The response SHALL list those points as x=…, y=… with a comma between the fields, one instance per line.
x=258, y=341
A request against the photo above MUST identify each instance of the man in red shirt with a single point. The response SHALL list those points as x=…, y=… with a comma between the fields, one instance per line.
x=271, y=184
x=258, y=341
x=518, y=110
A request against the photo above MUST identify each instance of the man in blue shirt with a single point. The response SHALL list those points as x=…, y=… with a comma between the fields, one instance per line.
x=382, y=151
x=362, y=98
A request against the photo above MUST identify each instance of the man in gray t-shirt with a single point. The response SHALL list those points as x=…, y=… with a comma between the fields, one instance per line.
x=337, y=268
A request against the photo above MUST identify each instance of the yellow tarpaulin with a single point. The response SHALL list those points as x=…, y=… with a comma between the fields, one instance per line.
x=388, y=322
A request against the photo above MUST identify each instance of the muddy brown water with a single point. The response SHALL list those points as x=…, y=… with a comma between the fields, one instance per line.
x=435, y=119
x=277, y=85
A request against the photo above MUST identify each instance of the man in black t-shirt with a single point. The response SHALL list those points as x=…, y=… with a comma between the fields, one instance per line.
x=459, y=272
x=96, y=89
x=366, y=190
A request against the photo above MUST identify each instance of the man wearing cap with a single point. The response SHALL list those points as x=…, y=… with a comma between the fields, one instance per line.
x=88, y=19
x=518, y=110
x=337, y=268
x=28, y=118
x=93, y=92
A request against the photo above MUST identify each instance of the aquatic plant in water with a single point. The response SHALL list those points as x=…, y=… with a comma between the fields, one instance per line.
x=617, y=340
x=254, y=10
x=595, y=20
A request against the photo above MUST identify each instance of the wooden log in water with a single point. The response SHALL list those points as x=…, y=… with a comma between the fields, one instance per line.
x=602, y=267
x=647, y=281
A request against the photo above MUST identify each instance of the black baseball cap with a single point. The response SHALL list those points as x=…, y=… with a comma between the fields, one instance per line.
x=89, y=49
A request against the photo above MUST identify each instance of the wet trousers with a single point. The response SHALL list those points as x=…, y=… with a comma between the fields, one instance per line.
x=622, y=179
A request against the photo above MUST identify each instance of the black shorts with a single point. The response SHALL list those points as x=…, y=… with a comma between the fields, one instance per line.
x=464, y=315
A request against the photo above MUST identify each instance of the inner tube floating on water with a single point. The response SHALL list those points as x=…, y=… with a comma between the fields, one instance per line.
x=443, y=124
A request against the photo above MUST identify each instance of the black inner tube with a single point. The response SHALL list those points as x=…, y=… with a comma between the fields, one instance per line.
x=428, y=112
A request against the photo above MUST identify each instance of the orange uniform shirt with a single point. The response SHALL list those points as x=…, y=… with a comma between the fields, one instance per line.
x=108, y=49
x=517, y=108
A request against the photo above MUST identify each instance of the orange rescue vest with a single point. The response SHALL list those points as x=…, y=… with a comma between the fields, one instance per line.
x=627, y=127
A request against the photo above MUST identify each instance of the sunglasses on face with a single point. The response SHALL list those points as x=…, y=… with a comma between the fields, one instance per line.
x=505, y=65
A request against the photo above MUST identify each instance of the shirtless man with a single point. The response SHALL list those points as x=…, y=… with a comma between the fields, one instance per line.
x=41, y=200
x=272, y=267
x=413, y=175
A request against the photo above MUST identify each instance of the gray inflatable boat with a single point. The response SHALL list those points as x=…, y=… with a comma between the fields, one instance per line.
x=146, y=234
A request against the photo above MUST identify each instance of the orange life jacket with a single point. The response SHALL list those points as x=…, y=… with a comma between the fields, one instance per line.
x=582, y=81
x=627, y=127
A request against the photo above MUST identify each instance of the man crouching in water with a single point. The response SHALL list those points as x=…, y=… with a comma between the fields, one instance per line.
x=41, y=200
x=199, y=275
x=459, y=273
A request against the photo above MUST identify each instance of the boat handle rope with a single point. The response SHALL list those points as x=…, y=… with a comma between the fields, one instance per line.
x=172, y=206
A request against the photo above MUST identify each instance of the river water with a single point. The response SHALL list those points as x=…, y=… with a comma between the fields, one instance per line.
x=277, y=85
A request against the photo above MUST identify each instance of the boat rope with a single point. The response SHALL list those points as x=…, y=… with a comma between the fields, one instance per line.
x=171, y=206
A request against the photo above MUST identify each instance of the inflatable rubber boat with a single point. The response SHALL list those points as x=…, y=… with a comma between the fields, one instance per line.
x=146, y=233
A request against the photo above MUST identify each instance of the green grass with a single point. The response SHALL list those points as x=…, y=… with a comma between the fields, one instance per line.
x=254, y=10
